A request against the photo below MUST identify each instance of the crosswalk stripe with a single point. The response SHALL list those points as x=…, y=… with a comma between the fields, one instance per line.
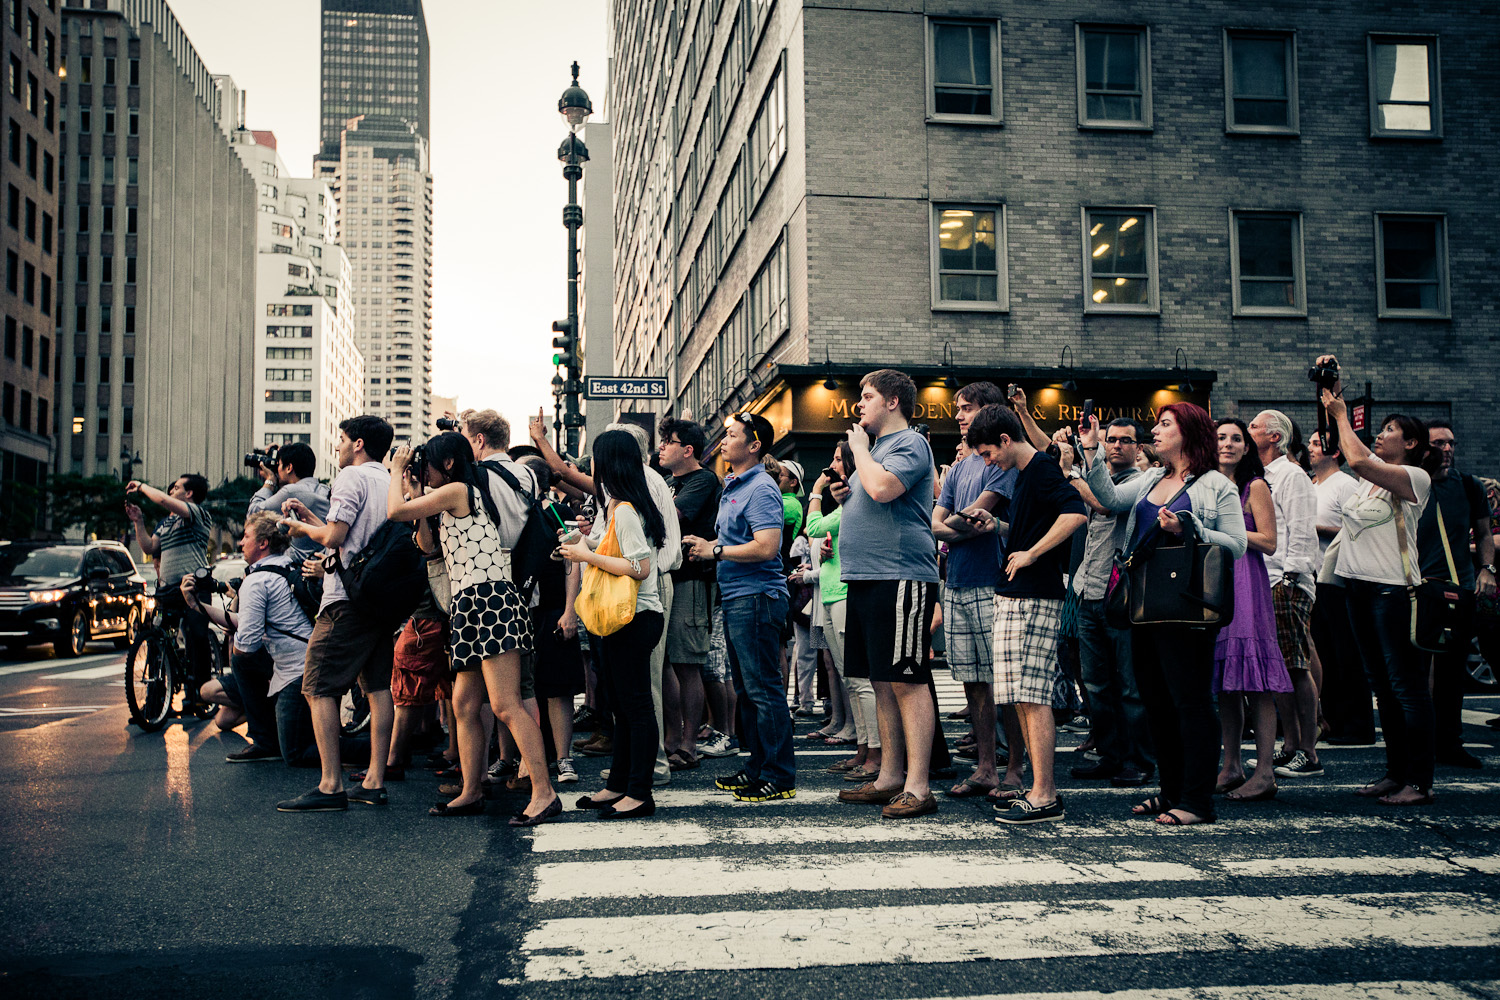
x=87, y=673
x=24, y=668
x=1389, y=990
x=582, y=947
x=681, y=878
x=568, y=837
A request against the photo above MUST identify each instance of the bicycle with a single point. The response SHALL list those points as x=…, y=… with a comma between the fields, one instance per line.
x=156, y=669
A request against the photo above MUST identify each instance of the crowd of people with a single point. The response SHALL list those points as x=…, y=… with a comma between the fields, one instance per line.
x=685, y=609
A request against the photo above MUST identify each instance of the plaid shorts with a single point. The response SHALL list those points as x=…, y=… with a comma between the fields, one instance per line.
x=969, y=628
x=1026, y=649
x=1293, y=624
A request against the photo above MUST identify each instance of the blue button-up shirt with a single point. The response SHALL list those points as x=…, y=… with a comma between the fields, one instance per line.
x=751, y=502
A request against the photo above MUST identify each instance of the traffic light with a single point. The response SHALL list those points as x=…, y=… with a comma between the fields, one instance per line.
x=566, y=344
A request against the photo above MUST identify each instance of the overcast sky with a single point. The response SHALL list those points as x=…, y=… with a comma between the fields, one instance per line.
x=500, y=250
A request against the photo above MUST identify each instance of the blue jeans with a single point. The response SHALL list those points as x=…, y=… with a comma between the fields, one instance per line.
x=281, y=721
x=752, y=631
x=1120, y=730
x=1380, y=616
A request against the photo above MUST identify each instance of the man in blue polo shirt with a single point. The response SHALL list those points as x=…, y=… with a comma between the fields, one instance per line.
x=752, y=589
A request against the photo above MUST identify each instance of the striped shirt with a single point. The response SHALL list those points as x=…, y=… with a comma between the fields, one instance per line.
x=184, y=544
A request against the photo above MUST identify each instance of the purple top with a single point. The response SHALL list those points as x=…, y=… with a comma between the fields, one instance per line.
x=1146, y=511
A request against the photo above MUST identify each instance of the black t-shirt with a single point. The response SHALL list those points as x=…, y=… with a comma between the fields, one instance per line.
x=1041, y=496
x=1463, y=503
x=697, y=498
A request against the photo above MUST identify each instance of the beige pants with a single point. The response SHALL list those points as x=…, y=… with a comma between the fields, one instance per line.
x=662, y=772
x=861, y=692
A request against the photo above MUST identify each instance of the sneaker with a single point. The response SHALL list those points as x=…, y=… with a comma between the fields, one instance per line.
x=734, y=782
x=1282, y=759
x=503, y=770
x=763, y=791
x=253, y=753
x=567, y=774
x=315, y=801
x=1299, y=766
x=1021, y=812
x=716, y=744
x=1077, y=724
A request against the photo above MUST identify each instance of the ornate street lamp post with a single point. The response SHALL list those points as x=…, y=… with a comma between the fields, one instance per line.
x=575, y=107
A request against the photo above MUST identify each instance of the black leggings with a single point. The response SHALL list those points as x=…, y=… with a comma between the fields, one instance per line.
x=1380, y=615
x=1174, y=669
x=625, y=670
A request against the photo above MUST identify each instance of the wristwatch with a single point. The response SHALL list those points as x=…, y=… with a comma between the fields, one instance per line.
x=1490, y=569
x=718, y=553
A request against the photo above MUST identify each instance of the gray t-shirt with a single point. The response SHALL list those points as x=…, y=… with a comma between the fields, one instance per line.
x=891, y=541
x=314, y=496
x=1106, y=533
x=359, y=500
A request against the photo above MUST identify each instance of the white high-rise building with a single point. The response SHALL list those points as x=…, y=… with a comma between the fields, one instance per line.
x=382, y=183
x=308, y=370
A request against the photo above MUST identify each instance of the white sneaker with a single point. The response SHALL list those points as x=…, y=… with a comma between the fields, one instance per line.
x=717, y=745
x=566, y=773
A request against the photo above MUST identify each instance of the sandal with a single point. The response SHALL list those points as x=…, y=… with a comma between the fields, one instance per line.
x=1230, y=786
x=679, y=761
x=1374, y=791
x=1154, y=806
x=1006, y=793
x=968, y=788
x=1426, y=798
x=843, y=767
x=1264, y=795
x=1172, y=819
x=862, y=775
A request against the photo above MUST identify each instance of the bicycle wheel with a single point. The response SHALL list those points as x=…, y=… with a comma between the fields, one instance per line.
x=148, y=681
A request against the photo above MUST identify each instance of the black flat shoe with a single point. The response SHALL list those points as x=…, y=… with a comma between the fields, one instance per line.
x=647, y=808
x=475, y=808
x=588, y=803
x=553, y=810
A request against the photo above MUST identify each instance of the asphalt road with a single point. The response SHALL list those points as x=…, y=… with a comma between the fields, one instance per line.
x=143, y=865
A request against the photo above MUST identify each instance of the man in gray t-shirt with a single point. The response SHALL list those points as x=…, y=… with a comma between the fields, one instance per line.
x=290, y=477
x=888, y=557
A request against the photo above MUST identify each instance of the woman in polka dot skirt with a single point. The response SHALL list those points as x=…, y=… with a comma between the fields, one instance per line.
x=490, y=625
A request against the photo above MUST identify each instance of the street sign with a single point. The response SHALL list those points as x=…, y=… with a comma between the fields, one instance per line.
x=596, y=387
x=1357, y=416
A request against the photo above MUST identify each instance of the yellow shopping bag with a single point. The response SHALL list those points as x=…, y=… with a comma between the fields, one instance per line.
x=606, y=602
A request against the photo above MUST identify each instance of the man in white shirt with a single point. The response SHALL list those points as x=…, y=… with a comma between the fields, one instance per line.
x=1293, y=569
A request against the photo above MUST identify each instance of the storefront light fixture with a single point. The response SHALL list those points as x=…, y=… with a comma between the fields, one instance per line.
x=830, y=383
x=1184, y=383
x=949, y=382
x=1064, y=360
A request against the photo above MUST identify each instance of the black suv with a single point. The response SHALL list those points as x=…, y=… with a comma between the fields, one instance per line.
x=69, y=594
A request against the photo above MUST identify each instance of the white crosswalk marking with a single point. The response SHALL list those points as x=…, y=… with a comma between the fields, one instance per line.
x=1301, y=991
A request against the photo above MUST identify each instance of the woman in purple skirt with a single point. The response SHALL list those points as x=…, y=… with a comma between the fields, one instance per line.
x=1247, y=660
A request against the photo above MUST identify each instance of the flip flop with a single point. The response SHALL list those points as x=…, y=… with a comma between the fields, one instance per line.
x=968, y=788
x=1264, y=795
x=1154, y=806
x=1229, y=786
x=1005, y=793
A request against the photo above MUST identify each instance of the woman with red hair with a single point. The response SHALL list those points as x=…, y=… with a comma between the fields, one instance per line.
x=1174, y=664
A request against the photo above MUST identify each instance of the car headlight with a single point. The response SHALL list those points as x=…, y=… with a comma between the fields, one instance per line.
x=47, y=596
x=150, y=604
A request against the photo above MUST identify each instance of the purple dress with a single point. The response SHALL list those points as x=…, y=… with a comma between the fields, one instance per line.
x=1246, y=656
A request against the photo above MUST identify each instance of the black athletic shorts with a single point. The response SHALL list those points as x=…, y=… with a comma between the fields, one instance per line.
x=886, y=637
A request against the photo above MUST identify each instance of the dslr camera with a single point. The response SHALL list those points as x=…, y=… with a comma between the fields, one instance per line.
x=1326, y=376
x=257, y=459
x=205, y=586
x=418, y=460
x=447, y=423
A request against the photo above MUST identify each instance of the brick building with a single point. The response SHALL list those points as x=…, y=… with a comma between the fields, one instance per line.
x=28, y=112
x=1132, y=202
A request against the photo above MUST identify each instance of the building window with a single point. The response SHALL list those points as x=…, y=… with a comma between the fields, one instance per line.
x=288, y=417
x=289, y=353
x=1114, y=76
x=1411, y=265
x=1265, y=253
x=1404, y=87
x=968, y=257
x=770, y=315
x=963, y=71
x=1119, y=260
x=1260, y=82
x=767, y=141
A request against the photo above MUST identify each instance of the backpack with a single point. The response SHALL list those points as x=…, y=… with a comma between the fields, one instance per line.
x=531, y=555
x=308, y=592
x=388, y=577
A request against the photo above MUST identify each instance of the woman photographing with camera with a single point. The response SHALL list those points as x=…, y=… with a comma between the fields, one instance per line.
x=490, y=627
x=1174, y=664
x=637, y=529
x=1377, y=555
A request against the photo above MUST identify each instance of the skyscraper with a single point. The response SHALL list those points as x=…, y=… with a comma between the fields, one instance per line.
x=374, y=63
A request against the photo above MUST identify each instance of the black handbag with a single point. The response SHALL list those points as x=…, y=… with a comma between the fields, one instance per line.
x=1191, y=584
x=1442, y=611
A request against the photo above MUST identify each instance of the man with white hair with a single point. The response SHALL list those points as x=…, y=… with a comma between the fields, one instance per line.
x=1293, y=569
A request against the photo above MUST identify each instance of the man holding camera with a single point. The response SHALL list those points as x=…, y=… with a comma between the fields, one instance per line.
x=270, y=644
x=288, y=474
x=179, y=545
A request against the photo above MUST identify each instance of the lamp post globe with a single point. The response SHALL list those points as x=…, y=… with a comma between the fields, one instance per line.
x=574, y=105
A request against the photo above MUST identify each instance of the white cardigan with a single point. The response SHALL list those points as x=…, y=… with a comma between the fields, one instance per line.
x=1217, y=515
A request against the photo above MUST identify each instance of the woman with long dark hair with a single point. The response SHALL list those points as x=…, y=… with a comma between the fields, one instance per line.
x=1174, y=664
x=1247, y=660
x=625, y=656
x=490, y=627
x=1379, y=564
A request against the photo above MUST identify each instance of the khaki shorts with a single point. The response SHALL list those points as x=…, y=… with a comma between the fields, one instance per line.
x=347, y=645
x=691, y=624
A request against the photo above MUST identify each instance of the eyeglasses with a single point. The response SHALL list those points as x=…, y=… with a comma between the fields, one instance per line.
x=1119, y=440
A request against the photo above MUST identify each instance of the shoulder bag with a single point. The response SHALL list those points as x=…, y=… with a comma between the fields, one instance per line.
x=1191, y=584
x=606, y=602
x=1442, y=611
